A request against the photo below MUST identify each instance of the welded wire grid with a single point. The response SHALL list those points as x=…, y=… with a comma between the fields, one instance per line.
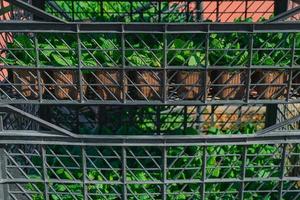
x=160, y=11
x=243, y=171
x=160, y=120
x=152, y=64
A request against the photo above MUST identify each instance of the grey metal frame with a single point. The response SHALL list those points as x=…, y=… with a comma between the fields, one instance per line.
x=164, y=97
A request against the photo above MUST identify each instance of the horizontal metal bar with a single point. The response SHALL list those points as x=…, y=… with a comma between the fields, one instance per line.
x=25, y=26
x=178, y=181
x=151, y=102
x=276, y=137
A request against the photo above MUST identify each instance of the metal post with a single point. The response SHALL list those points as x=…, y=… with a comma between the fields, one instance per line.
x=203, y=179
x=84, y=172
x=165, y=66
x=124, y=174
x=3, y=186
x=45, y=174
x=271, y=115
x=3, y=163
x=199, y=11
x=282, y=170
x=164, y=174
x=243, y=172
x=280, y=6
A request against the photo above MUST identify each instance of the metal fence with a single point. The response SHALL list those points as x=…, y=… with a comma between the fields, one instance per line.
x=149, y=110
x=209, y=167
x=151, y=64
x=160, y=11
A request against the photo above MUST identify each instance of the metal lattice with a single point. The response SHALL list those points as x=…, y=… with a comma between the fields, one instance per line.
x=149, y=168
x=148, y=64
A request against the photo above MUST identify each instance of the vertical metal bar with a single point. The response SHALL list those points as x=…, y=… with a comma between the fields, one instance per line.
x=218, y=10
x=165, y=66
x=45, y=175
x=282, y=170
x=158, y=122
x=84, y=172
x=206, y=73
x=290, y=74
x=1, y=122
x=124, y=174
x=164, y=173
x=280, y=6
x=185, y=117
x=243, y=172
x=37, y=64
x=187, y=10
x=249, y=68
x=199, y=11
x=80, y=76
x=3, y=176
x=123, y=65
x=203, y=178
x=271, y=114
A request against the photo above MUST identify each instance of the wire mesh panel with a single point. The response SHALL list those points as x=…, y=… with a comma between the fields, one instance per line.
x=257, y=169
x=160, y=11
x=140, y=64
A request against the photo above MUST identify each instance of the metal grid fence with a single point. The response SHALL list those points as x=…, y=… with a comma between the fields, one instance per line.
x=209, y=167
x=160, y=11
x=151, y=64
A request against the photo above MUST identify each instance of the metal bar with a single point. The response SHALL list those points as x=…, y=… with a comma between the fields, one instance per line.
x=271, y=115
x=80, y=75
x=36, y=11
x=243, y=172
x=290, y=71
x=206, y=72
x=84, y=174
x=199, y=10
x=164, y=169
x=165, y=66
x=37, y=64
x=56, y=7
x=19, y=137
x=25, y=26
x=124, y=174
x=12, y=109
x=249, y=71
x=3, y=174
x=203, y=179
x=279, y=125
x=45, y=174
x=280, y=6
x=1, y=122
x=282, y=170
x=150, y=102
x=124, y=76
x=284, y=15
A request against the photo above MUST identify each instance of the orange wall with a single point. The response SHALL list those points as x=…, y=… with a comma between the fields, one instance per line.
x=3, y=37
